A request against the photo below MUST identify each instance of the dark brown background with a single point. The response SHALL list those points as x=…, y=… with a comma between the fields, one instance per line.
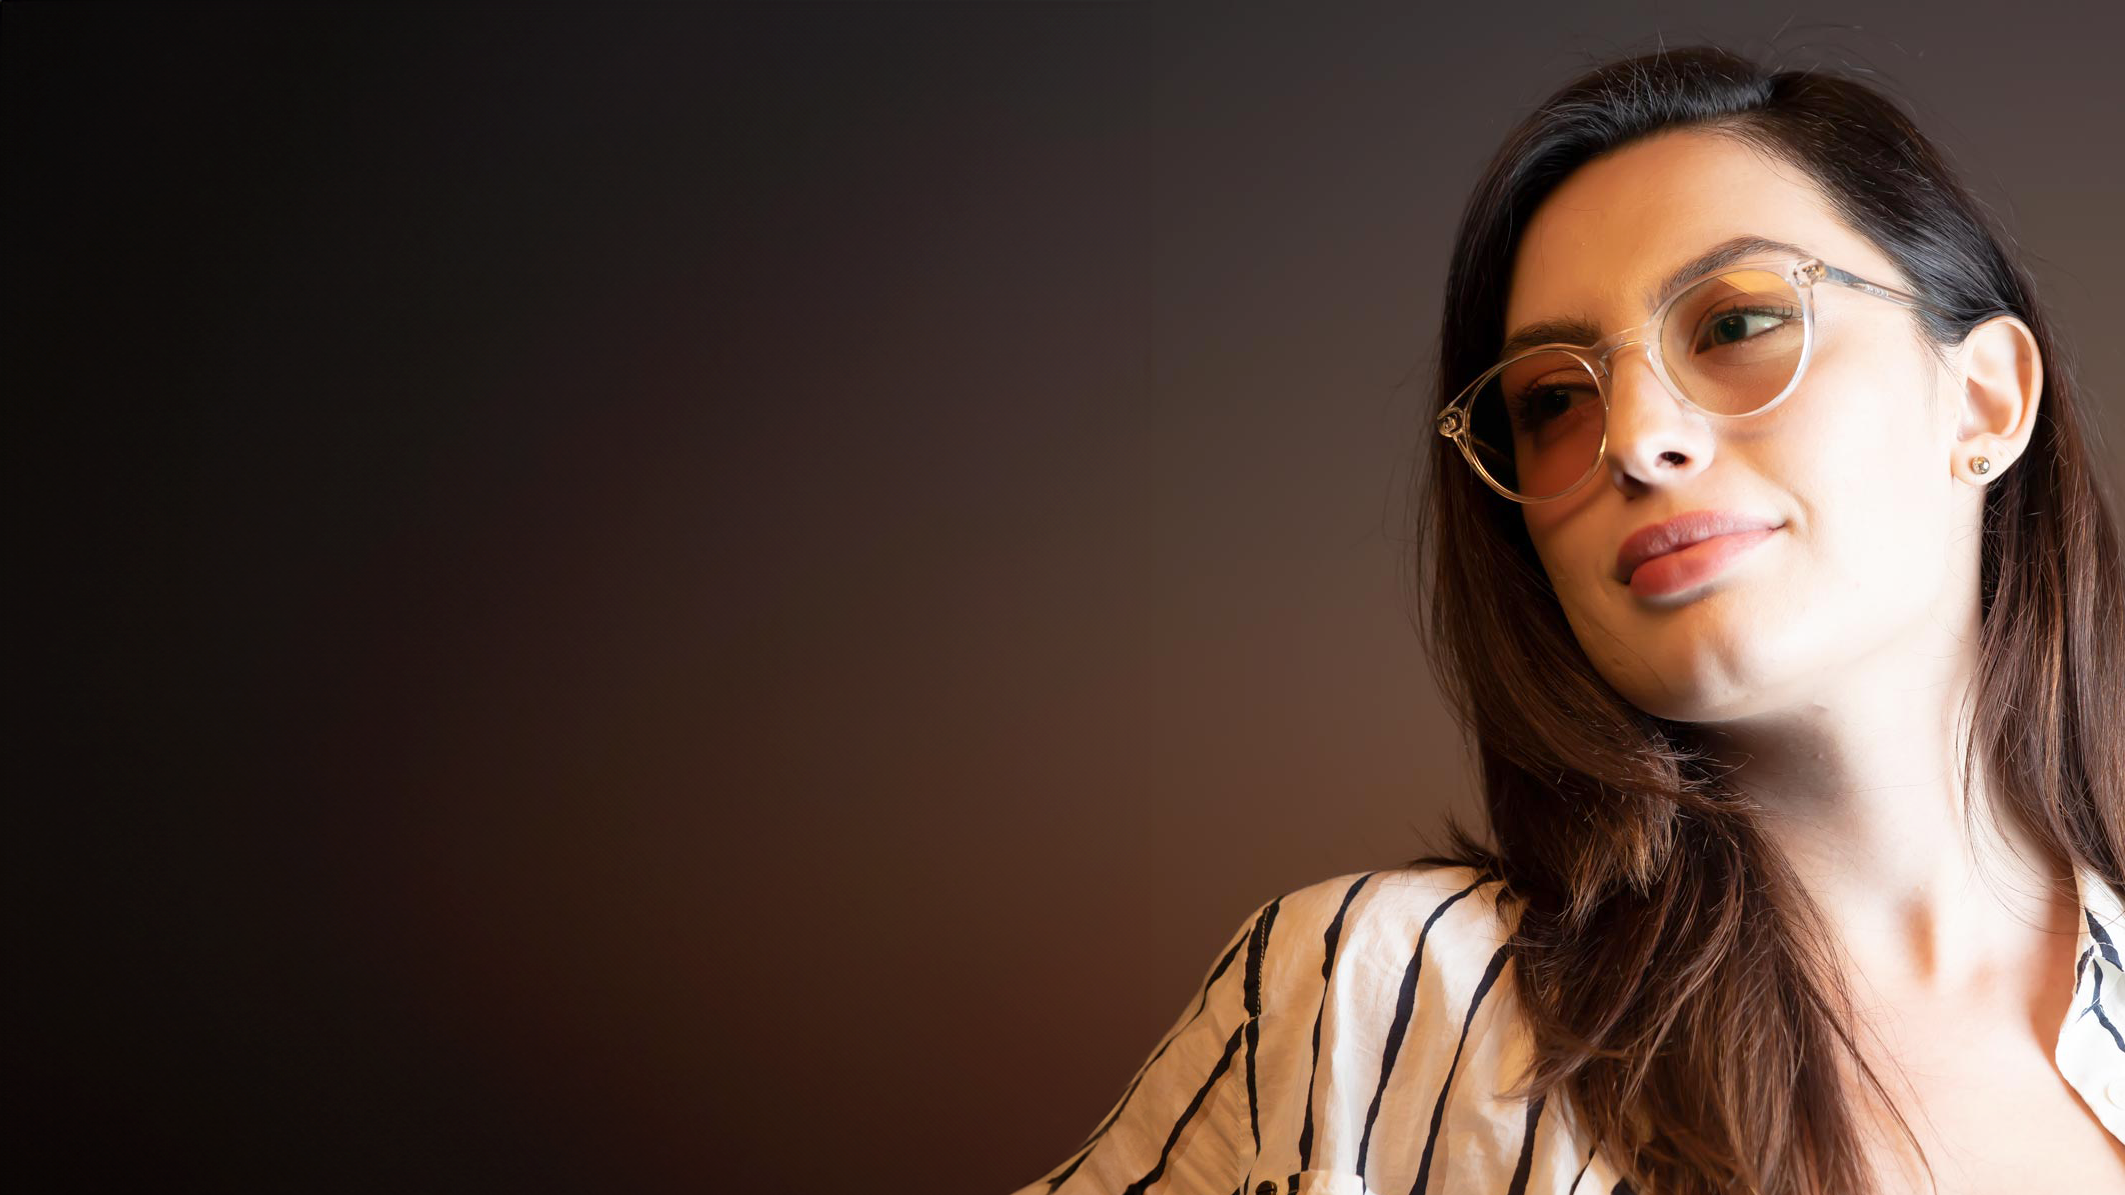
x=740, y=598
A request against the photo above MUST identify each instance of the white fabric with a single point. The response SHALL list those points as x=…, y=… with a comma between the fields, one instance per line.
x=1420, y=991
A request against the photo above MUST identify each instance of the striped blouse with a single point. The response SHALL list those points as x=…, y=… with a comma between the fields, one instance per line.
x=1352, y=1036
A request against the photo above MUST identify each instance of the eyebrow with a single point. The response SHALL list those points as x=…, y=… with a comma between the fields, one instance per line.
x=1582, y=331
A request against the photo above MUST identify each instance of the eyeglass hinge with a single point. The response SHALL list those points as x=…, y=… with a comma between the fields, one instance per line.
x=1813, y=271
x=1450, y=422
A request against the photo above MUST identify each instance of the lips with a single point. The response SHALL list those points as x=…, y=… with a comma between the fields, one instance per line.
x=1680, y=532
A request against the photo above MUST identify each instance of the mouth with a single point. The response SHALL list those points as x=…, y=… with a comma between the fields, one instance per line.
x=1687, y=550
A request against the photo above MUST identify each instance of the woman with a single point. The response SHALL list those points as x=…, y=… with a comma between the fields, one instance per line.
x=1769, y=573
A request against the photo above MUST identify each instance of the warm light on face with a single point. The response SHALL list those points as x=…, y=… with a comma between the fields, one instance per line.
x=1847, y=466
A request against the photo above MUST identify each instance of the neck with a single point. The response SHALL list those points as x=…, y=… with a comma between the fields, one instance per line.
x=1863, y=789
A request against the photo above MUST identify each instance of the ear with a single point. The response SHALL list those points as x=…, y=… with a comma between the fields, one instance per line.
x=2000, y=376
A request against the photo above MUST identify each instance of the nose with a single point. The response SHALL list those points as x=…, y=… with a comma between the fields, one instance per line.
x=1653, y=439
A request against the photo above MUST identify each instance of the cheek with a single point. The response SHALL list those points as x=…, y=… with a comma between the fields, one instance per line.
x=1592, y=602
x=1574, y=575
x=1578, y=580
x=1863, y=470
x=1866, y=470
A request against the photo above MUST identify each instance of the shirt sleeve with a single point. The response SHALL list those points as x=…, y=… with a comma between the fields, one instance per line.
x=1184, y=1121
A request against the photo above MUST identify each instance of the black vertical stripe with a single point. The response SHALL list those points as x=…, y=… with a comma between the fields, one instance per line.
x=2096, y=928
x=1438, y=1111
x=1165, y=1155
x=1527, y=1149
x=1403, y=1004
x=1084, y=1151
x=1572, y=1190
x=2095, y=1005
x=1257, y=952
x=1329, y=941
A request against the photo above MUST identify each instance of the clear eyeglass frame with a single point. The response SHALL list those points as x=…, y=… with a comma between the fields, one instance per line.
x=1803, y=273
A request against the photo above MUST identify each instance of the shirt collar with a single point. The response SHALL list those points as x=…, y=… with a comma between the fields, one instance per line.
x=2102, y=918
x=2091, y=1046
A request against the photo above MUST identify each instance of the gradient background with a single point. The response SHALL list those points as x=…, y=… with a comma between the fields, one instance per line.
x=741, y=598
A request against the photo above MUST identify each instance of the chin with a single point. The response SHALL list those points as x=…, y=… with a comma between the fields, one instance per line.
x=1698, y=673
x=1704, y=704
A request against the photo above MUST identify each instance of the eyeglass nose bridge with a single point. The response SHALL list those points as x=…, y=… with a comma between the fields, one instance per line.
x=1603, y=351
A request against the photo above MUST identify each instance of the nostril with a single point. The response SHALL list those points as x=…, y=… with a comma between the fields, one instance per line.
x=1674, y=458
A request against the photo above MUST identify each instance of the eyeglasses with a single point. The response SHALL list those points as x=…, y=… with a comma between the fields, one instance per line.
x=1731, y=344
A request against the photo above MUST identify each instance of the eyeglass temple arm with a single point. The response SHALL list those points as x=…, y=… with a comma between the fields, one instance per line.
x=1893, y=295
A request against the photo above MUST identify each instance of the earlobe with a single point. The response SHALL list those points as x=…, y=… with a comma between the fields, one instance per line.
x=2001, y=381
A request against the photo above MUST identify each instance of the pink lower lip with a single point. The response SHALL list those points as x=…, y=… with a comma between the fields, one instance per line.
x=1694, y=565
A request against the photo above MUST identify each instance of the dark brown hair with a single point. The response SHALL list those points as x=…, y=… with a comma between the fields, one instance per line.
x=1680, y=986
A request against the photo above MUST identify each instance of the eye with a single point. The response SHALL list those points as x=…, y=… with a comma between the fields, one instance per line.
x=1737, y=324
x=1539, y=405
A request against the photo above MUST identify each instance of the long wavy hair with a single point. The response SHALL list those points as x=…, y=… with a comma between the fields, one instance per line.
x=1680, y=986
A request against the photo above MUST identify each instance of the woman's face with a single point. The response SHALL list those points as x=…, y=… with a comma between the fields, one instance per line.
x=1873, y=552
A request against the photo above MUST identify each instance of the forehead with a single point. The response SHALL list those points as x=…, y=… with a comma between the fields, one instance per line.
x=1620, y=223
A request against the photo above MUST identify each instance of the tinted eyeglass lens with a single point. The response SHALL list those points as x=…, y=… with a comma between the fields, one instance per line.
x=1536, y=424
x=1732, y=342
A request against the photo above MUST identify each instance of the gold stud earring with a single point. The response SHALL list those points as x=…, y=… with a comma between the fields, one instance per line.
x=1980, y=466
